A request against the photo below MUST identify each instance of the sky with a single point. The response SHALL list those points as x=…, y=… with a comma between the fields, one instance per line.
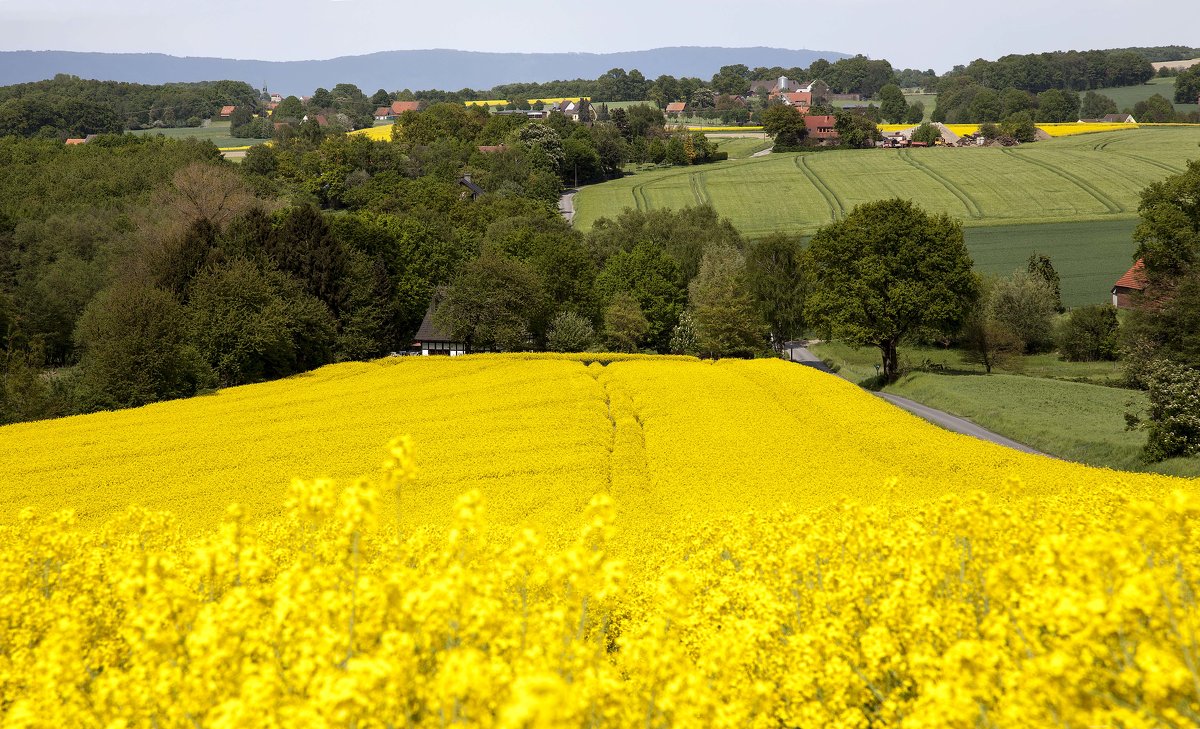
x=946, y=33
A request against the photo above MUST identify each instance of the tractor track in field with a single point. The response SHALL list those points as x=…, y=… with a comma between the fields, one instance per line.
x=1113, y=206
x=1147, y=160
x=837, y=209
x=970, y=203
x=699, y=188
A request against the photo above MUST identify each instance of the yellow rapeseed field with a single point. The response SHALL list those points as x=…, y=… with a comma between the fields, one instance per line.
x=580, y=540
x=379, y=134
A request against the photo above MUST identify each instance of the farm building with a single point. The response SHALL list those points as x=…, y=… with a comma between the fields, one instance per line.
x=774, y=87
x=800, y=99
x=399, y=107
x=821, y=128
x=383, y=113
x=76, y=140
x=431, y=341
x=227, y=111
x=676, y=107
x=1111, y=119
x=816, y=89
x=574, y=109
x=1133, y=282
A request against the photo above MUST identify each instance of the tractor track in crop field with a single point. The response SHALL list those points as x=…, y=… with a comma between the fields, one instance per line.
x=1113, y=206
x=837, y=209
x=1147, y=160
x=699, y=189
x=955, y=189
x=639, y=196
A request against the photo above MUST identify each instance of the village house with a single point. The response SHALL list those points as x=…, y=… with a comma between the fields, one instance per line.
x=821, y=129
x=1129, y=285
x=801, y=100
x=816, y=89
x=399, y=107
x=474, y=190
x=678, y=108
x=383, y=113
x=431, y=341
x=574, y=109
x=226, y=112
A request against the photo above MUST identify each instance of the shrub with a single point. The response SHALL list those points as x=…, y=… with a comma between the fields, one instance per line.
x=570, y=332
x=1173, y=420
x=1024, y=303
x=1089, y=334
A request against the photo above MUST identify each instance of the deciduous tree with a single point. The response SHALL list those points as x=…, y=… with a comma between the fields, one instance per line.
x=889, y=270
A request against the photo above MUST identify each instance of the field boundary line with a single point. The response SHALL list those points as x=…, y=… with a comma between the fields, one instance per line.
x=955, y=189
x=1105, y=200
x=837, y=210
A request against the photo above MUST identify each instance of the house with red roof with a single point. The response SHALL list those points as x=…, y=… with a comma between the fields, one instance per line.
x=227, y=111
x=821, y=128
x=802, y=100
x=1129, y=285
x=399, y=107
x=676, y=107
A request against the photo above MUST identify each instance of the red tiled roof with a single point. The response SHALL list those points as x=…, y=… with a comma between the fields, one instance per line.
x=675, y=107
x=383, y=111
x=1134, y=278
x=76, y=140
x=800, y=98
x=227, y=110
x=399, y=107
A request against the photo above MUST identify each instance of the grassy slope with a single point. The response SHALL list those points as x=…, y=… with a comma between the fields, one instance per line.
x=1014, y=202
x=1073, y=420
x=742, y=148
x=1089, y=177
x=217, y=133
x=1127, y=96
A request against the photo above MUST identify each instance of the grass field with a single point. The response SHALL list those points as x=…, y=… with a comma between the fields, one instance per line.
x=217, y=133
x=742, y=147
x=929, y=100
x=1089, y=256
x=1013, y=201
x=1032, y=400
x=1127, y=96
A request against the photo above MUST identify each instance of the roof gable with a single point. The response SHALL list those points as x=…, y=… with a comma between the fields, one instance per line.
x=1134, y=278
x=399, y=107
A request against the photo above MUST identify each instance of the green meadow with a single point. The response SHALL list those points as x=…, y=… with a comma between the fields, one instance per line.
x=217, y=133
x=1012, y=201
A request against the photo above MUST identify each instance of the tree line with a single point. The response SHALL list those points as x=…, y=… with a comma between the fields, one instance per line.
x=68, y=106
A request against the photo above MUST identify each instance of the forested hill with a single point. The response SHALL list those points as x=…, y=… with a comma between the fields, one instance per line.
x=393, y=70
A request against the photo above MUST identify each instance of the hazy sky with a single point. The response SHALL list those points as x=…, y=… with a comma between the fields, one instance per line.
x=950, y=33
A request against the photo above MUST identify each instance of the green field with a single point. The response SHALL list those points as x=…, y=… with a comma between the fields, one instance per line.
x=929, y=100
x=1019, y=199
x=741, y=147
x=1073, y=420
x=1089, y=256
x=217, y=133
x=1127, y=96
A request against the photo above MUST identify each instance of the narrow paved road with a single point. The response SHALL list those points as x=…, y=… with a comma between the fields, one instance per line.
x=800, y=354
x=566, y=206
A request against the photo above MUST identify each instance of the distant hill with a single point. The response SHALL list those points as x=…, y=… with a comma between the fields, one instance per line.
x=394, y=70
